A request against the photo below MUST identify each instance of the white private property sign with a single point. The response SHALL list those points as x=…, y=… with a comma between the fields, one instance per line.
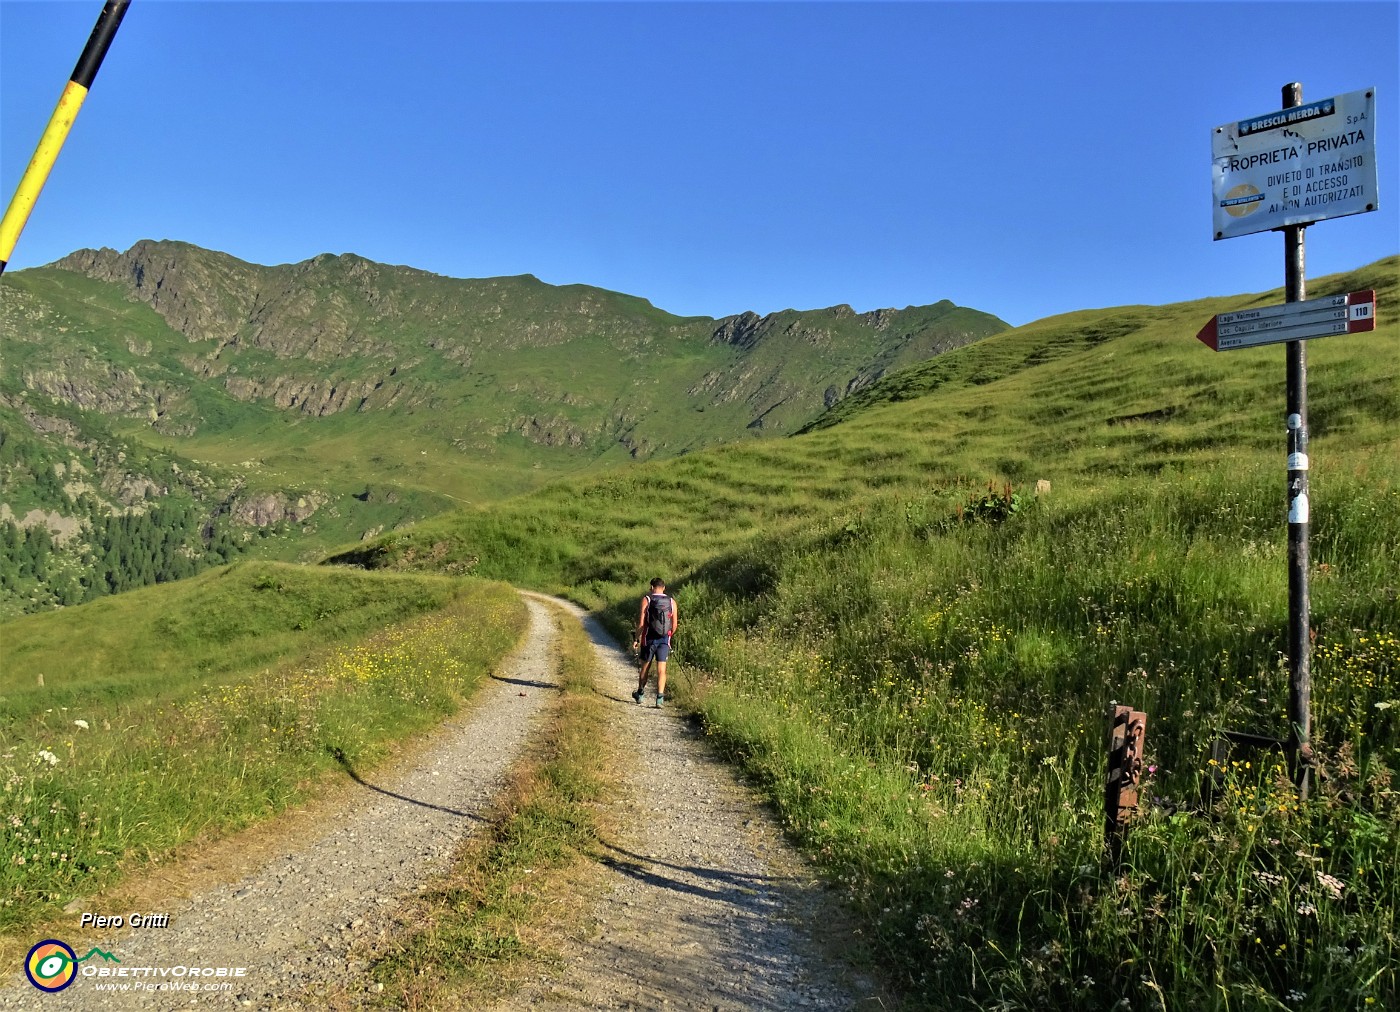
x=1295, y=166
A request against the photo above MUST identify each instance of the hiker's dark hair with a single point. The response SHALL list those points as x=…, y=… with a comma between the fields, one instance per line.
x=658, y=582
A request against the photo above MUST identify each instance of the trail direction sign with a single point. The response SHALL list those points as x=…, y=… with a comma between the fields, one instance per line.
x=1293, y=321
x=1295, y=166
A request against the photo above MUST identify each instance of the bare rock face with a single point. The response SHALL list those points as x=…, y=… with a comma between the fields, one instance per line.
x=268, y=508
x=197, y=296
x=742, y=331
x=879, y=319
x=97, y=386
x=62, y=528
x=212, y=297
x=132, y=489
x=44, y=425
x=309, y=396
x=556, y=431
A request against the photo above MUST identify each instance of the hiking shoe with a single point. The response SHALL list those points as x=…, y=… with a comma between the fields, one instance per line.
x=659, y=700
x=637, y=697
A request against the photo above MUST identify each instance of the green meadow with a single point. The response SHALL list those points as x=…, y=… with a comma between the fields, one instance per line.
x=890, y=626
x=886, y=626
x=157, y=718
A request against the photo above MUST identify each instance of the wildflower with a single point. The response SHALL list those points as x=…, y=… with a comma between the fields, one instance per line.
x=45, y=756
x=1332, y=885
x=81, y=723
x=1294, y=996
x=1306, y=909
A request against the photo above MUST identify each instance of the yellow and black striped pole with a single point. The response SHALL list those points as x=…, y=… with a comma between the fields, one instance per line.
x=59, y=124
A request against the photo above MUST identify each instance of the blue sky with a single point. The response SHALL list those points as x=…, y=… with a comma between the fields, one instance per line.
x=1021, y=158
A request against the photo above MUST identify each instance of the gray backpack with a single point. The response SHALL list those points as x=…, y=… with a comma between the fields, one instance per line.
x=658, y=616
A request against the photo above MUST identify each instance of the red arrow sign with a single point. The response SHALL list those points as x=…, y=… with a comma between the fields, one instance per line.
x=1293, y=321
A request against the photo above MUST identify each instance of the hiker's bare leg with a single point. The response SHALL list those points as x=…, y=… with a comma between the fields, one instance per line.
x=661, y=678
x=642, y=676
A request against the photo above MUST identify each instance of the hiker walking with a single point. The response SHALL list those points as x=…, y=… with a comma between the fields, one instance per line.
x=655, y=626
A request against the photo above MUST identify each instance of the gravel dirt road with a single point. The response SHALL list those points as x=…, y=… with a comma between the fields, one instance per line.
x=702, y=906
x=705, y=906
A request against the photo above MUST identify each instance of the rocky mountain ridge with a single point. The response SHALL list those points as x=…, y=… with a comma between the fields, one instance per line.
x=296, y=389
x=342, y=333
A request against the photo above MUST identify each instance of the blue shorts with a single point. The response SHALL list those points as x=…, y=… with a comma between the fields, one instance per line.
x=657, y=650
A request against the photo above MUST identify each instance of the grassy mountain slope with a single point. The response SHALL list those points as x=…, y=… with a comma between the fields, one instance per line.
x=916, y=666
x=1071, y=400
x=571, y=368
x=338, y=397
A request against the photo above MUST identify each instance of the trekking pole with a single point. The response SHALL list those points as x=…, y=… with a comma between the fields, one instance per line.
x=37, y=174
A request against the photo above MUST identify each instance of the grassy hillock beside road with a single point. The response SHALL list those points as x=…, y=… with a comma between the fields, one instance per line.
x=917, y=666
x=141, y=722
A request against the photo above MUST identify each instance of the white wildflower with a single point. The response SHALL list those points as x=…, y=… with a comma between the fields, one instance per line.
x=45, y=756
x=1332, y=885
x=81, y=723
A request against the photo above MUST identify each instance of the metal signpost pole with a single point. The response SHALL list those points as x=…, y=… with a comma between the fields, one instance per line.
x=1281, y=172
x=1299, y=644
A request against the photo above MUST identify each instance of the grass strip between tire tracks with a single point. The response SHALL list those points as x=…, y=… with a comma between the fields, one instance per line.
x=514, y=888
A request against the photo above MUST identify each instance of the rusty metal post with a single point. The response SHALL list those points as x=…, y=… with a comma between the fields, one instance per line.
x=1127, y=732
